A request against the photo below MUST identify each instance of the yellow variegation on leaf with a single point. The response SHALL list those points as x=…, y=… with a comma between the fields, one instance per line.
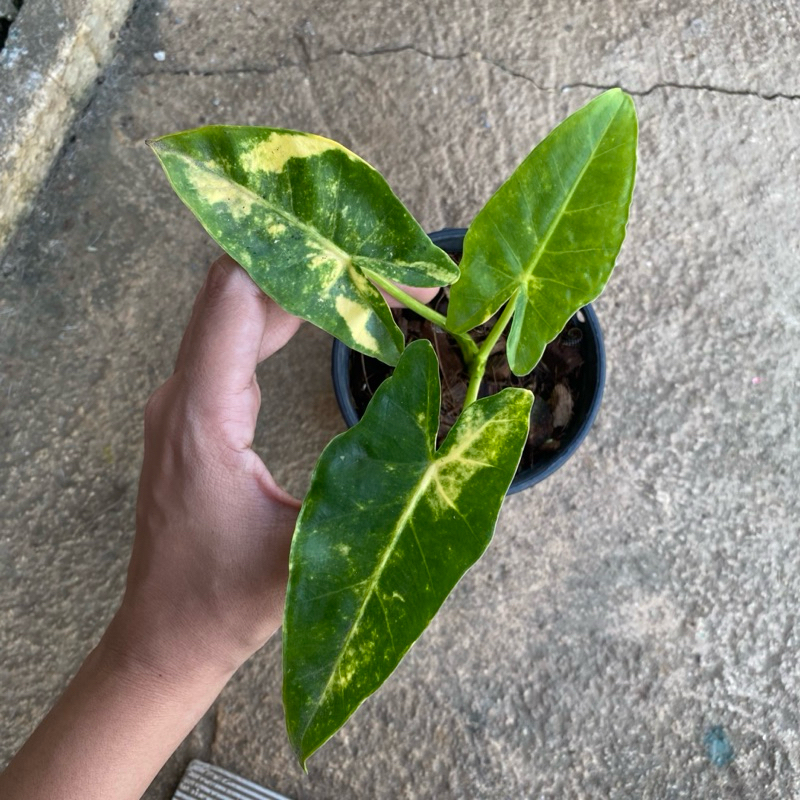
x=305, y=217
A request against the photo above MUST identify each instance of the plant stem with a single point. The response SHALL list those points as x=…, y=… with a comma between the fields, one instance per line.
x=469, y=350
x=478, y=365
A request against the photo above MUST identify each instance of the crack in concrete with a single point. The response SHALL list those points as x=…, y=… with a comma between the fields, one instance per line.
x=194, y=73
x=685, y=87
x=309, y=61
x=214, y=731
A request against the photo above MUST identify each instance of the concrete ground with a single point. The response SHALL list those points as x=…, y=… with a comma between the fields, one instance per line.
x=635, y=609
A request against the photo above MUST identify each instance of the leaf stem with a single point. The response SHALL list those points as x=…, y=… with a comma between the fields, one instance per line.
x=469, y=350
x=478, y=365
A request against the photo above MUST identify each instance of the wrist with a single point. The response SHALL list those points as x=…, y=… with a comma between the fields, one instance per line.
x=123, y=714
x=166, y=661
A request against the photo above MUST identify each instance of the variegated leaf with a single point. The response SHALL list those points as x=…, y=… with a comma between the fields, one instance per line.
x=388, y=527
x=308, y=220
x=548, y=239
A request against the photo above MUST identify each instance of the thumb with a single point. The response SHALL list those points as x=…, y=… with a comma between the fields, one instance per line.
x=234, y=325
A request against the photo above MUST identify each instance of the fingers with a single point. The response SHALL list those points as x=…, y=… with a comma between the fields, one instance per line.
x=234, y=325
x=423, y=295
x=279, y=327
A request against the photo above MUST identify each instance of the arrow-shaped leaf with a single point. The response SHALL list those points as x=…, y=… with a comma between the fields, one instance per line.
x=547, y=240
x=387, y=529
x=305, y=217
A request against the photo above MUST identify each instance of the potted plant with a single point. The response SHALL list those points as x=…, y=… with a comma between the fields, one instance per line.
x=567, y=382
x=392, y=521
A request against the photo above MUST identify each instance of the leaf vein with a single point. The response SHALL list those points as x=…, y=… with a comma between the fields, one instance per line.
x=333, y=221
x=336, y=591
x=571, y=252
x=386, y=620
x=555, y=222
x=421, y=551
x=507, y=248
x=589, y=208
x=323, y=242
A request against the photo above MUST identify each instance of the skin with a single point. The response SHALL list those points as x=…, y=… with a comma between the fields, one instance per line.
x=208, y=571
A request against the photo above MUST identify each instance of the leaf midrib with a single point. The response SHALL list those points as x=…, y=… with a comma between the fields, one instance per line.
x=411, y=505
x=541, y=247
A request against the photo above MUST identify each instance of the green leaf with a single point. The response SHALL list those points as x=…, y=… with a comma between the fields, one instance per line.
x=304, y=216
x=387, y=529
x=549, y=237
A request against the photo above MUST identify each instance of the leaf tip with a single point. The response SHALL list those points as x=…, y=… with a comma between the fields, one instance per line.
x=621, y=96
x=426, y=350
x=157, y=145
x=392, y=358
x=302, y=753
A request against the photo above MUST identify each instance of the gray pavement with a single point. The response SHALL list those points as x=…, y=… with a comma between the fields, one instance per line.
x=636, y=601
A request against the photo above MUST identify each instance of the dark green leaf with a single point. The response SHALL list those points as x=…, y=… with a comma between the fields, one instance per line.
x=547, y=240
x=305, y=216
x=387, y=529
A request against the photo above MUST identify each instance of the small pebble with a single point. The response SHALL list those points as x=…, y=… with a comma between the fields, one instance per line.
x=718, y=749
x=159, y=55
x=561, y=404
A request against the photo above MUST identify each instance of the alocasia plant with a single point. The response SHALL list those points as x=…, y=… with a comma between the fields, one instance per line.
x=391, y=523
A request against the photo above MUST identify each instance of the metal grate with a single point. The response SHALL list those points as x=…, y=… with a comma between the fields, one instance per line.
x=203, y=781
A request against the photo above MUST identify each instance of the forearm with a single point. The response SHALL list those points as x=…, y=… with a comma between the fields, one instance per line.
x=112, y=730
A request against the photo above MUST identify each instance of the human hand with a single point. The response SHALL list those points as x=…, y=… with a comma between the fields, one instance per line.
x=209, y=566
x=208, y=572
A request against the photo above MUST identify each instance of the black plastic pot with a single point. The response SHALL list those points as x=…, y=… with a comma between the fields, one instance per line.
x=587, y=404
